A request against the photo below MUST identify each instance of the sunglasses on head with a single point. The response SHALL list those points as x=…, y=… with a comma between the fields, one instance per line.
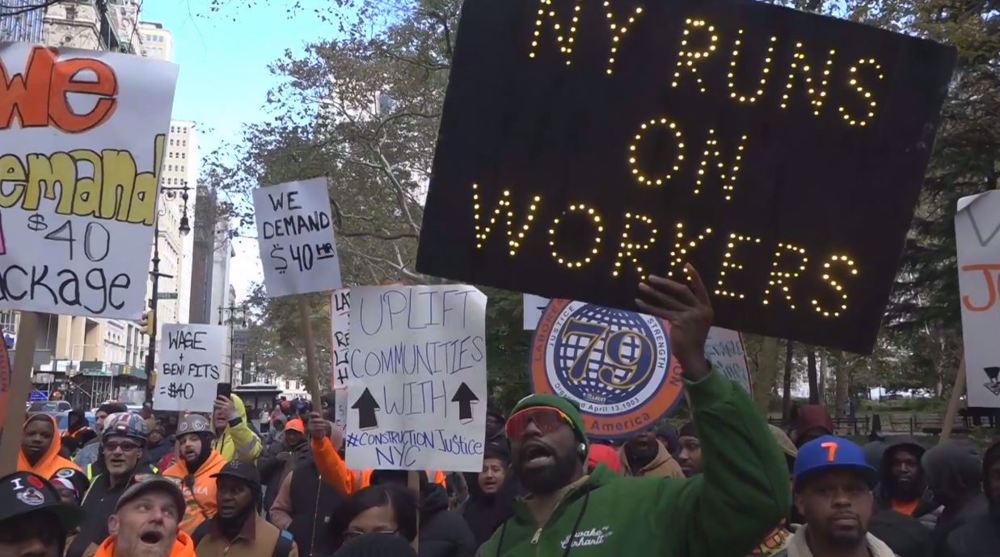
x=545, y=418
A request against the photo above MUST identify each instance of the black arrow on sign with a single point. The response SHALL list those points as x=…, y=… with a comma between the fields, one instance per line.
x=366, y=406
x=464, y=397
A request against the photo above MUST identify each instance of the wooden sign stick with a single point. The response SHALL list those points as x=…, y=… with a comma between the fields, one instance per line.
x=312, y=379
x=956, y=397
x=20, y=386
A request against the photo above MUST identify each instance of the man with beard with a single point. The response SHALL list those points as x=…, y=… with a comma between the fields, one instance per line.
x=34, y=521
x=833, y=491
x=238, y=530
x=274, y=466
x=740, y=496
x=689, y=456
x=145, y=522
x=903, y=486
x=122, y=441
x=91, y=451
x=645, y=455
x=196, y=469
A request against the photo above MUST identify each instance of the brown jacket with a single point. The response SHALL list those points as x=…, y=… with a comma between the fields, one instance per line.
x=257, y=539
x=663, y=466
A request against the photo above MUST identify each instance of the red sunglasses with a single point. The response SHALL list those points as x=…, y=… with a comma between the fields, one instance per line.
x=545, y=418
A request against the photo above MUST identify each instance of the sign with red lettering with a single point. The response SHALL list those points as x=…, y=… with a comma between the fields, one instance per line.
x=586, y=145
x=81, y=146
x=977, y=233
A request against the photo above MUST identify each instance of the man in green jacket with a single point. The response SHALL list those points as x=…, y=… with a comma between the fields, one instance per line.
x=724, y=512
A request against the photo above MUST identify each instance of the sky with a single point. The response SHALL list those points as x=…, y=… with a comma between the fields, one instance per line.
x=224, y=76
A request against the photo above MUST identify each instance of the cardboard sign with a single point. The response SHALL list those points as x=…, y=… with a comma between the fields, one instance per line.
x=82, y=139
x=295, y=235
x=977, y=232
x=724, y=348
x=584, y=146
x=417, y=386
x=191, y=364
x=340, y=327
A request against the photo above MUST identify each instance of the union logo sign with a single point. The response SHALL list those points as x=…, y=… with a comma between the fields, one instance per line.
x=615, y=364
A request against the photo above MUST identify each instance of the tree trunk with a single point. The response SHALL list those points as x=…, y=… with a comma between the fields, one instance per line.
x=843, y=378
x=813, y=376
x=822, y=377
x=766, y=373
x=786, y=391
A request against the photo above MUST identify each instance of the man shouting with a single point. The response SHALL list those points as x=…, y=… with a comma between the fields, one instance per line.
x=725, y=511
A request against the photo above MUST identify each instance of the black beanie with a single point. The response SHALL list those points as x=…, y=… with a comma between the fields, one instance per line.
x=376, y=545
x=688, y=430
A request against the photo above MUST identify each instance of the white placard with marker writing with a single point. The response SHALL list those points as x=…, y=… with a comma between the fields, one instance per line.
x=191, y=366
x=82, y=138
x=340, y=328
x=295, y=237
x=417, y=380
x=977, y=232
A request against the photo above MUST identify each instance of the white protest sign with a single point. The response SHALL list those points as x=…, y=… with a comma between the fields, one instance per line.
x=340, y=327
x=81, y=147
x=295, y=236
x=191, y=362
x=417, y=387
x=534, y=307
x=724, y=348
x=977, y=233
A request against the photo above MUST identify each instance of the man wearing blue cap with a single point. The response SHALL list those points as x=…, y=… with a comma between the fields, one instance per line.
x=833, y=491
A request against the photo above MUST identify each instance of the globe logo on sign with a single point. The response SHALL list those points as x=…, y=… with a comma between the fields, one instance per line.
x=614, y=364
x=604, y=355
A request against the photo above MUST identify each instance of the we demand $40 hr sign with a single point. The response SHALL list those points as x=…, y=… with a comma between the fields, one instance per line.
x=586, y=144
x=81, y=145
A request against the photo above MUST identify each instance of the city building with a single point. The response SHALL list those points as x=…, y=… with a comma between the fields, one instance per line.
x=85, y=24
x=157, y=41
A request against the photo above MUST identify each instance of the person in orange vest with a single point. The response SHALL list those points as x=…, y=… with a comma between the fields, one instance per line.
x=40, y=447
x=195, y=468
x=146, y=522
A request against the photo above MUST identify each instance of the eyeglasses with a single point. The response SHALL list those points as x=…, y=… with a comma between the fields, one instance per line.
x=351, y=534
x=125, y=446
x=546, y=419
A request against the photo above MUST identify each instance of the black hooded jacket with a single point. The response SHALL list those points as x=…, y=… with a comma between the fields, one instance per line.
x=443, y=533
x=925, y=509
x=954, y=467
x=979, y=536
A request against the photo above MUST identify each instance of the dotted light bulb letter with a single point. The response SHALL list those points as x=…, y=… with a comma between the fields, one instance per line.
x=826, y=273
x=596, y=221
x=504, y=210
x=683, y=244
x=565, y=32
x=630, y=247
x=730, y=264
x=690, y=55
x=669, y=127
x=765, y=71
x=814, y=80
x=867, y=114
x=618, y=30
x=712, y=161
x=781, y=277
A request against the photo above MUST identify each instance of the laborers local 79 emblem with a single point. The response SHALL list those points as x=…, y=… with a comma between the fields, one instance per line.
x=615, y=364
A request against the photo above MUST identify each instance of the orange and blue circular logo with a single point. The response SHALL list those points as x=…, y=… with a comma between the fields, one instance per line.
x=615, y=364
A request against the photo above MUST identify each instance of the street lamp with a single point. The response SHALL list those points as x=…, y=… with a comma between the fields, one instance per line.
x=184, y=228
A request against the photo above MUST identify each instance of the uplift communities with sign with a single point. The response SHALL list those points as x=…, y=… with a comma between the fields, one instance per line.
x=417, y=378
x=977, y=232
x=191, y=366
x=616, y=365
x=82, y=139
x=586, y=145
x=295, y=236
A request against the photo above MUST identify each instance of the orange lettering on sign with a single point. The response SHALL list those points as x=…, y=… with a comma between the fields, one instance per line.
x=39, y=97
x=991, y=285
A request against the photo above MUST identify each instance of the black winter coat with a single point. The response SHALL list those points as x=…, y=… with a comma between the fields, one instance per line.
x=314, y=502
x=443, y=533
x=979, y=537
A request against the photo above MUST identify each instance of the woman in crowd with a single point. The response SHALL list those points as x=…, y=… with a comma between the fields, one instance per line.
x=379, y=509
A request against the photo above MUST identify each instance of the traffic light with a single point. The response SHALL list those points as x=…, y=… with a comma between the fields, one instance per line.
x=148, y=322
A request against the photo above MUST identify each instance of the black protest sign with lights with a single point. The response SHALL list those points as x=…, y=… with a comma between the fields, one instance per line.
x=586, y=144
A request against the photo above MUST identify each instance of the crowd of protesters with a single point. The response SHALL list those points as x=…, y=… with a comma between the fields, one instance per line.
x=724, y=484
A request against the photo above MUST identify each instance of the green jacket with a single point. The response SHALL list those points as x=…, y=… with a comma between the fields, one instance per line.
x=724, y=512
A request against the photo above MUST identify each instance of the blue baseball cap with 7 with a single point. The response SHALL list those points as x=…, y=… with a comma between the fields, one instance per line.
x=832, y=453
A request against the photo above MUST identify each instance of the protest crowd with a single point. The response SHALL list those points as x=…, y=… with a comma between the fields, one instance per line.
x=724, y=484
